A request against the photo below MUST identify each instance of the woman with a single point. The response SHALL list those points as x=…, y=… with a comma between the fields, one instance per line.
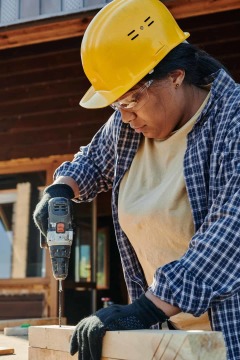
x=170, y=155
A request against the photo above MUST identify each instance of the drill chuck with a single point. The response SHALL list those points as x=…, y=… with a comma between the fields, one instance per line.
x=60, y=260
x=59, y=236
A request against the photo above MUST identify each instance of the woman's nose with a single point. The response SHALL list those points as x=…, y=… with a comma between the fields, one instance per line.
x=127, y=116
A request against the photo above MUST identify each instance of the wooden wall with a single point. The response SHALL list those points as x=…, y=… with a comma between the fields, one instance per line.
x=21, y=306
x=41, y=85
x=219, y=35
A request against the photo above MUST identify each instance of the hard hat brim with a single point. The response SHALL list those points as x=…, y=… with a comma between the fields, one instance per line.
x=95, y=99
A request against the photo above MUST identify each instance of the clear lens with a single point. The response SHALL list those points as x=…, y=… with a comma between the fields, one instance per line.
x=134, y=101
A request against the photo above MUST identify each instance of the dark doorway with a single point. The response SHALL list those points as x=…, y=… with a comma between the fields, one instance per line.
x=110, y=284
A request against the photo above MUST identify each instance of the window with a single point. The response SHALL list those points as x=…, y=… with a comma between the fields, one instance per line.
x=90, y=244
x=20, y=252
x=7, y=201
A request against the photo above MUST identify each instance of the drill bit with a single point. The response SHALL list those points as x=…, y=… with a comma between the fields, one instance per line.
x=60, y=303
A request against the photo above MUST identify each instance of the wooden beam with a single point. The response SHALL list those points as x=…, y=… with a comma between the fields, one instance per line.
x=188, y=8
x=6, y=351
x=43, y=31
x=39, y=32
x=165, y=344
x=52, y=342
x=32, y=322
x=45, y=354
x=28, y=165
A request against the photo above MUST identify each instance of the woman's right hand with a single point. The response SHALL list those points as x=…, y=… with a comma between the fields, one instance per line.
x=40, y=215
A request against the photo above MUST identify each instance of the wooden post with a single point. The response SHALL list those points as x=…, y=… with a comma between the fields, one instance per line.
x=20, y=238
x=52, y=343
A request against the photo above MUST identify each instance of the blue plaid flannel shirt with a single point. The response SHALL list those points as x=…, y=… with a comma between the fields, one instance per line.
x=208, y=274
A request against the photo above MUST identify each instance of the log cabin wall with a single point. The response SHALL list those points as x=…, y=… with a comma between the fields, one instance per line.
x=41, y=85
x=219, y=35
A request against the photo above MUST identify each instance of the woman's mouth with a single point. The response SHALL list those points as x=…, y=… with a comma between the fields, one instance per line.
x=139, y=129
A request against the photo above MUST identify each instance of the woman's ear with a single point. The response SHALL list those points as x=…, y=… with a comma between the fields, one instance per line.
x=177, y=77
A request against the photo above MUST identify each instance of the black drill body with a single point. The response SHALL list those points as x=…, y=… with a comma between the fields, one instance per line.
x=59, y=235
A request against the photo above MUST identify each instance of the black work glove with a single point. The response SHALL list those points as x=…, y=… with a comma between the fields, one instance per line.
x=40, y=215
x=88, y=334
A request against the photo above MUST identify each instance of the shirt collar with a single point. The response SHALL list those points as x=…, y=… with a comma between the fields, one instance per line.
x=220, y=83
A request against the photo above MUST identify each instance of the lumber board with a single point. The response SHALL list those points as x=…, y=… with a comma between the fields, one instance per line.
x=131, y=345
x=46, y=354
x=33, y=321
x=44, y=32
x=50, y=342
x=51, y=337
x=6, y=351
x=164, y=345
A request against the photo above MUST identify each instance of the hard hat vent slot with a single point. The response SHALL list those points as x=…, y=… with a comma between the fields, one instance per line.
x=149, y=19
x=133, y=34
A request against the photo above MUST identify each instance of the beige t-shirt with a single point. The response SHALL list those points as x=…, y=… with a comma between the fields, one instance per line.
x=154, y=209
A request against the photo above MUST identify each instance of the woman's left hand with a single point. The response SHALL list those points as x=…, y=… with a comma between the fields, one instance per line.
x=88, y=334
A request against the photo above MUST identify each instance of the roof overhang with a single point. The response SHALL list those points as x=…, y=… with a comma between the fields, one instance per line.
x=74, y=25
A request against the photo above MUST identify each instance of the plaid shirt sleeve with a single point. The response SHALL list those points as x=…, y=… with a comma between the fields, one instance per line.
x=93, y=166
x=209, y=271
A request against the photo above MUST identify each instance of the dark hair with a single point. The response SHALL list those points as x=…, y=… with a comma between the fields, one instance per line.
x=198, y=64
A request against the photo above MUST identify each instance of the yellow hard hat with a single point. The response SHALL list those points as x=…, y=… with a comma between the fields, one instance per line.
x=122, y=44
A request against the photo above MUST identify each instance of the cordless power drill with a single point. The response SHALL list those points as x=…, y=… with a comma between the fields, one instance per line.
x=59, y=239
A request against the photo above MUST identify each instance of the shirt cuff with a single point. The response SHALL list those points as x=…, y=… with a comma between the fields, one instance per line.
x=179, y=287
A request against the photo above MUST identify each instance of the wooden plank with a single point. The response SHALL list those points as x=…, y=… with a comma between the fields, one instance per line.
x=66, y=118
x=51, y=144
x=45, y=354
x=187, y=8
x=137, y=344
x=44, y=31
x=164, y=345
x=13, y=151
x=32, y=322
x=63, y=102
x=53, y=118
x=6, y=351
x=51, y=337
x=199, y=34
x=17, y=309
x=44, y=89
x=72, y=71
x=40, y=60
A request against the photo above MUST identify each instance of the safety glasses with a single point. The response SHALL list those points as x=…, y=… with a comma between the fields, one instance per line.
x=135, y=100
